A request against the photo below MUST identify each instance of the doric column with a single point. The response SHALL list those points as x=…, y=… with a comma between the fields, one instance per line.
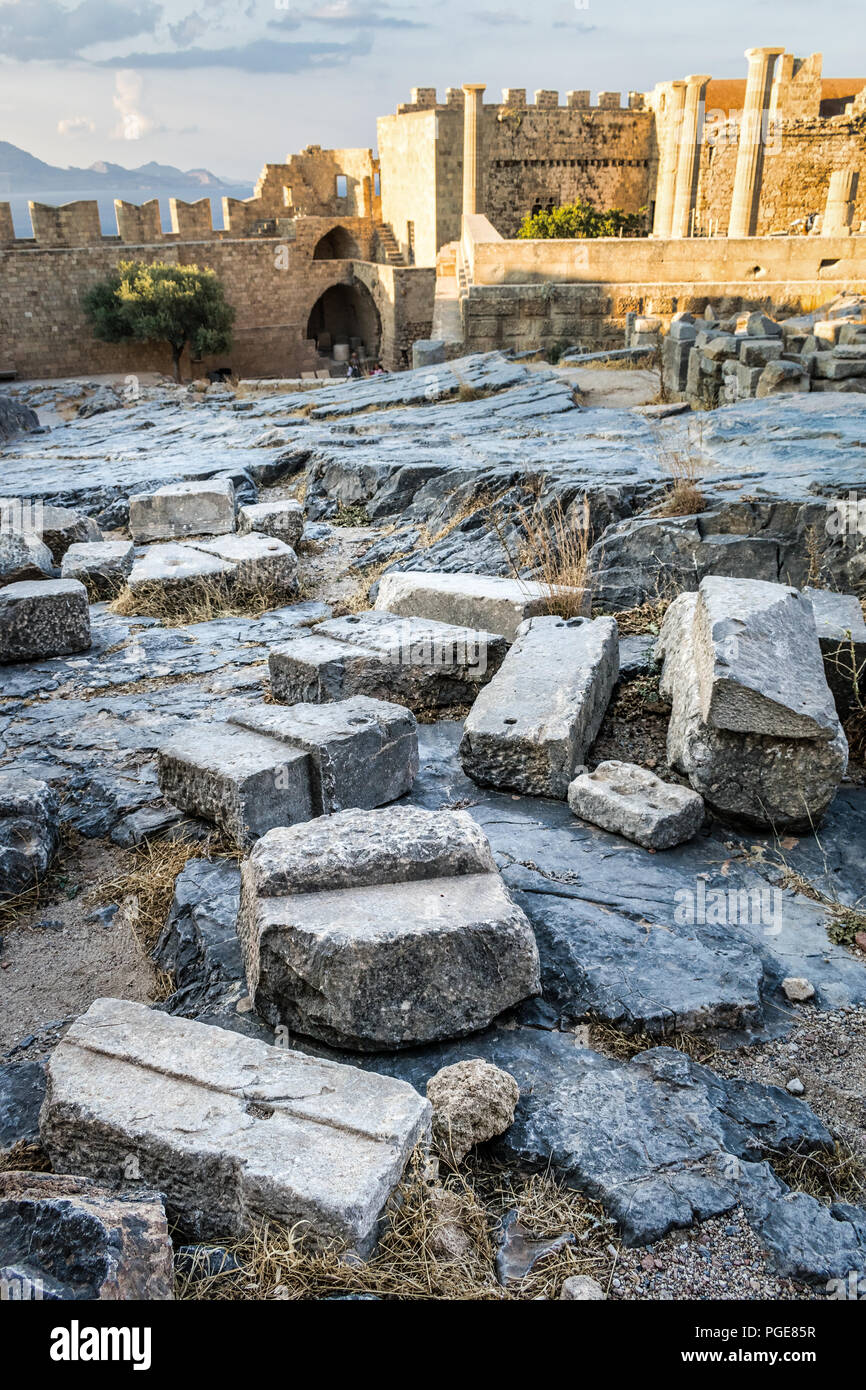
x=472, y=94
x=750, y=151
x=688, y=155
x=669, y=143
x=841, y=198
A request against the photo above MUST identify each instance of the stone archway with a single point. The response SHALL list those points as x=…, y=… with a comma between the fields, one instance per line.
x=337, y=245
x=344, y=312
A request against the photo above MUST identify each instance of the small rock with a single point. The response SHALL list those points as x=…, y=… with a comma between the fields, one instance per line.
x=580, y=1287
x=795, y=1086
x=798, y=989
x=473, y=1101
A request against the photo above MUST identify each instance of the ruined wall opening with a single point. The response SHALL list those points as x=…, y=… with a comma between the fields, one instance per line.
x=337, y=245
x=346, y=316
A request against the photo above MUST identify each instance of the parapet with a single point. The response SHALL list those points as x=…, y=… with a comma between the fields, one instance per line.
x=72, y=224
x=514, y=98
x=191, y=221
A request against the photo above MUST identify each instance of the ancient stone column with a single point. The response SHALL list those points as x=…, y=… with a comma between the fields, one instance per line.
x=750, y=150
x=666, y=179
x=841, y=198
x=472, y=95
x=688, y=155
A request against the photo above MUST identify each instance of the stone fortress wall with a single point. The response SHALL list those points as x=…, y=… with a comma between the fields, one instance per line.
x=333, y=238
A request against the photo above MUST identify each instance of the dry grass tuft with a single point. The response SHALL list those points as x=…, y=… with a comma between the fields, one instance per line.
x=415, y=1260
x=184, y=604
x=836, y=1177
x=554, y=553
x=610, y=1041
x=150, y=878
x=645, y=620
x=480, y=502
x=684, y=496
x=25, y=1158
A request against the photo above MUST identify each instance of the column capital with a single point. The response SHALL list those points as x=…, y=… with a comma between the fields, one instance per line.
x=753, y=54
x=474, y=87
x=694, y=79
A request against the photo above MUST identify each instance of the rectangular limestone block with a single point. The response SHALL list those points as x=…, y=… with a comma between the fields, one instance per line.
x=244, y=782
x=362, y=752
x=230, y=1130
x=382, y=929
x=176, y=566
x=468, y=600
x=102, y=566
x=283, y=519
x=416, y=661
x=199, y=508
x=631, y=801
x=531, y=727
x=43, y=618
x=758, y=660
x=261, y=562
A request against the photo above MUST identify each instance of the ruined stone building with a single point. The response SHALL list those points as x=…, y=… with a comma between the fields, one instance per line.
x=340, y=250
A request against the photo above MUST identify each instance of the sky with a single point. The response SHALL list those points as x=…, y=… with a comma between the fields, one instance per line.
x=230, y=84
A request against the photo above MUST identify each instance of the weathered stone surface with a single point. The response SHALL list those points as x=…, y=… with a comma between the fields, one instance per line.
x=582, y=1288
x=757, y=777
x=428, y=352
x=842, y=638
x=102, y=566
x=22, y=1091
x=468, y=600
x=242, y=781
x=261, y=562
x=758, y=661
x=382, y=929
x=472, y=1101
x=199, y=942
x=362, y=752
x=39, y=618
x=531, y=727
x=70, y=1238
x=229, y=1129
x=807, y=1240
x=29, y=831
x=778, y=378
x=15, y=417
x=183, y=509
x=631, y=801
x=62, y=527
x=387, y=657
x=174, y=566
x=283, y=519
x=23, y=557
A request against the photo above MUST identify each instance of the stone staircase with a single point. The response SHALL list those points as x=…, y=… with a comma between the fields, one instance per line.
x=388, y=242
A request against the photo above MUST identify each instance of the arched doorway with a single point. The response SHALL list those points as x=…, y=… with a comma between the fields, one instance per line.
x=346, y=314
x=337, y=245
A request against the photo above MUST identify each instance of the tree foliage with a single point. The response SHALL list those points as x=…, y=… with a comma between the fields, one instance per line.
x=182, y=305
x=578, y=220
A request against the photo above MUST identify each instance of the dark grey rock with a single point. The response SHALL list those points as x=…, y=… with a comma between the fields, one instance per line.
x=29, y=831
x=22, y=1091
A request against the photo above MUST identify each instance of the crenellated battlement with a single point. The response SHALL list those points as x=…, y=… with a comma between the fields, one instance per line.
x=514, y=99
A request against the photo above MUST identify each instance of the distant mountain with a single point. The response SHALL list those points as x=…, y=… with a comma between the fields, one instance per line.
x=21, y=173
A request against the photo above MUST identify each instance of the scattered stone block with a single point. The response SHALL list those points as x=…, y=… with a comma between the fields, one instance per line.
x=428, y=352
x=284, y=520
x=631, y=801
x=43, y=618
x=413, y=660
x=754, y=776
x=29, y=831
x=758, y=661
x=362, y=752
x=842, y=638
x=243, y=782
x=382, y=929
x=531, y=727
x=173, y=567
x=830, y=367
x=762, y=326
x=469, y=600
x=780, y=377
x=103, y=567
x=260, y=562
x=22, y=1091
x=23, y=557
x=198, y=508
x=68, y=1238
x=62, y=527
x=757, y=352
x=229, y=1129
x=473, y=1101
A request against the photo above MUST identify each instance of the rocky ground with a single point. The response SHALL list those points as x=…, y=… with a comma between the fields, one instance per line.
x=643, y=1067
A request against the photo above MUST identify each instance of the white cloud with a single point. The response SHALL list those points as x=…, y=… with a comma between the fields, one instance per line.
x=134, y=121
x=75, y=125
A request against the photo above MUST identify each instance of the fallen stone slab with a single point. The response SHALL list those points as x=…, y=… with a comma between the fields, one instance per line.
x=70, y=1238
x=29, y=831
x=260, y=562
x=173, y=567
x=762, y=779
x=362, y=752
x=198, y=508
x=199, y=943
x=23, y=557
x=229, y=1129
x=807, y=1240
x=428, y=352
x=43, y=617
x=530, y=728
x=103, y=567
x=780, y=378
x=22, y=1091
x=283, y=519
x=631, y=801
x=758, y=661
x=470, y=600
x=842, y=637
x=63, y=527
x=245, y=783
x=386, y=928
x=415, y=661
